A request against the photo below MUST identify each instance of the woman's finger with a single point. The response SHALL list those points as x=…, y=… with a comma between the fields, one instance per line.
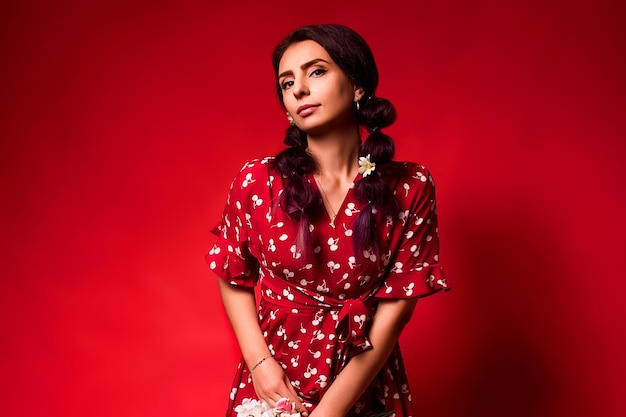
x=293, y=398
x=293, y=395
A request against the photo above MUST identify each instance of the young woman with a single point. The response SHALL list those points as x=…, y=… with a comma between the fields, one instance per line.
x=342, y=238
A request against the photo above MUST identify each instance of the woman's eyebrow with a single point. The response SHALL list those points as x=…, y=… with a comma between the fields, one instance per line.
x=304, y=66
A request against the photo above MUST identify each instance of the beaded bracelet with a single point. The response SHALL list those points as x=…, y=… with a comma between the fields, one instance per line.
x=259, y=362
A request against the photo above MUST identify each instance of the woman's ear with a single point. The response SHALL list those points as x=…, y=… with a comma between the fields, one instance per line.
x=358, y=93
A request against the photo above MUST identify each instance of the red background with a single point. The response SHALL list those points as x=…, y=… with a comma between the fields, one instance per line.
x=122, y=124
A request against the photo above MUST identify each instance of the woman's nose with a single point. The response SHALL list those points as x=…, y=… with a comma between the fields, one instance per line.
x=300, y=88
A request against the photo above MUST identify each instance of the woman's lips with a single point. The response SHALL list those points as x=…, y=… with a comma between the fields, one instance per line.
x=306, y=109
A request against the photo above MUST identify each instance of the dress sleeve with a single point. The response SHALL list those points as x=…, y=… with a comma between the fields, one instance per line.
x=414, y=269
x=230, y=257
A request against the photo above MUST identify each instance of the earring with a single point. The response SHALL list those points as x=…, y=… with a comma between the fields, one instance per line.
x=358, y=106
x=290, y=119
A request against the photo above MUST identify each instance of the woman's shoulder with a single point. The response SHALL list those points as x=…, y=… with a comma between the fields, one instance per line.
x=411, y=183
x=405, y=171
x=254, y=177
x=256, y=166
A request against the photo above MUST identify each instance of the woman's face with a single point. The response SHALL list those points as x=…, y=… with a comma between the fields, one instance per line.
x=316, y=92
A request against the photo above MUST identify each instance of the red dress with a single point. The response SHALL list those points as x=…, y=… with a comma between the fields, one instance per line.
x=315, y=314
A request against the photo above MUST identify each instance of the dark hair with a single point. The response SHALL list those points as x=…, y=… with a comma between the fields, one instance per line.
x=299, y=199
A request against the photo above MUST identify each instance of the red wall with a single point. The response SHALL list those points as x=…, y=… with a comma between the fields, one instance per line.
x=122, y=124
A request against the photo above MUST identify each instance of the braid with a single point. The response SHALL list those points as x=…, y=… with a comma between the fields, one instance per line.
x=376, y=113
x=299, y=196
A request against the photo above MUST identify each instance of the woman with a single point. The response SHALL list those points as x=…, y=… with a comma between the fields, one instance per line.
x=342, y=239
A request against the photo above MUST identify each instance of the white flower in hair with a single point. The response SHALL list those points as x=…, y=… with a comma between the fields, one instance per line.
x=366, y=166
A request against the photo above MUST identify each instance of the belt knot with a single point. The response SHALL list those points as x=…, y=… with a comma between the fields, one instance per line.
x=352, y=321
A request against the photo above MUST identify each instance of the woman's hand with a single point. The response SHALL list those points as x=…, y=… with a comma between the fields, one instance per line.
x=271, y=384
x=387, y=324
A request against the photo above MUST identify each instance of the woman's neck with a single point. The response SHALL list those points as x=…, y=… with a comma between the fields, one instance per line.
x=336, y=154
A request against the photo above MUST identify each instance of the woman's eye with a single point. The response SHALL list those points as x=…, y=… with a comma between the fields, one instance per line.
x=317, y=72
x=286, y=84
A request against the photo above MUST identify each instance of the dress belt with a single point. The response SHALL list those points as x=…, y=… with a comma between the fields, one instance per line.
x=354, y=314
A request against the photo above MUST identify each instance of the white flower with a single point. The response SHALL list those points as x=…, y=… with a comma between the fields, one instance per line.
x=253, y=408
x=366, y=166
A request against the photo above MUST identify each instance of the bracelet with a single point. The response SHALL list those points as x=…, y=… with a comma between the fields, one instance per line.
x=259, y=362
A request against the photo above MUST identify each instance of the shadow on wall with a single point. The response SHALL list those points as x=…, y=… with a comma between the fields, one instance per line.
x=519, y=354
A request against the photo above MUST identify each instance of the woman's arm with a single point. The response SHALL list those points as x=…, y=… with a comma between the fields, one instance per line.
x=269, y=379
x=390, y=318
